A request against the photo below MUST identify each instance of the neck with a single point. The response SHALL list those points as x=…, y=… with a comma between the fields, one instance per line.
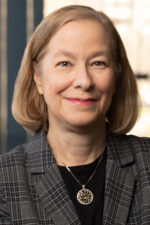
x=76, y=147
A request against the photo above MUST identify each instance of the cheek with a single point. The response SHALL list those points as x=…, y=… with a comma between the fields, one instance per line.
x=106, y=85
x=54, y=84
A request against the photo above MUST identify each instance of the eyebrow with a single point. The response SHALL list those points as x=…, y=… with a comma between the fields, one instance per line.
x=71, y=55
x=64, y=53
x=99, y=53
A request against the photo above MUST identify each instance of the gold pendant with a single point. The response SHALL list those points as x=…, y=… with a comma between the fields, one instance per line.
x=85, y=196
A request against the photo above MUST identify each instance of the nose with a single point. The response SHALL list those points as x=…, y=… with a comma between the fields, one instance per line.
x=83, y=78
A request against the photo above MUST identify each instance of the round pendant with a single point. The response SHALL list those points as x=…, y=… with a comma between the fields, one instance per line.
x=85, y=196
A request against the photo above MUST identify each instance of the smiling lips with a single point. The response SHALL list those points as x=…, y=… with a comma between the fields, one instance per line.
x=81, y=101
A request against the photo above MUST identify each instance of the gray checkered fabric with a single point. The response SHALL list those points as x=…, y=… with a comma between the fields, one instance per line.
x=32, y=191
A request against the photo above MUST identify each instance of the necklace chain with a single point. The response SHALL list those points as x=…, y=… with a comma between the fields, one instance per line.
x=85, y=196
x=83, y=185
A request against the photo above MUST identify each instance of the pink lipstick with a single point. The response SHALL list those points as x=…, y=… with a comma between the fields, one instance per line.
x=80, y=101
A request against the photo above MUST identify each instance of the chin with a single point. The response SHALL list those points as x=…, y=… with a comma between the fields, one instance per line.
x=84, y=122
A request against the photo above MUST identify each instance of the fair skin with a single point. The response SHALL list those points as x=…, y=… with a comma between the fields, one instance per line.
x=76, y=79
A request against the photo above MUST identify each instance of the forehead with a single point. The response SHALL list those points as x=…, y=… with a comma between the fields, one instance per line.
x=78, y=34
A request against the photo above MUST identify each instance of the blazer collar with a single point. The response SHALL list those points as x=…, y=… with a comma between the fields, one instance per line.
x=119, y=149
x=39, y=155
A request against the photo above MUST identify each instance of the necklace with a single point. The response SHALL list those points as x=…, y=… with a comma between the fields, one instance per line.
x=85, y=196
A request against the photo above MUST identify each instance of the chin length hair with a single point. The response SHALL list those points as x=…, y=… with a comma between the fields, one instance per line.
x=29, y=107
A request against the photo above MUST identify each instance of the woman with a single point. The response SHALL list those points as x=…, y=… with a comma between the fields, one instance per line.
x=77, y=93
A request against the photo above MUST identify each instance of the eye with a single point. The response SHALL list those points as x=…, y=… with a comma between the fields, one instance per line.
x=100, y=64
x=64, y=64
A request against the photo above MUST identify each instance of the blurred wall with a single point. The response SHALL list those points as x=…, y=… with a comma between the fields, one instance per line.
x=17, y=21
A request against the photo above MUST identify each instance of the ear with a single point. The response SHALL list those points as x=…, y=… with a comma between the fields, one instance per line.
x=37, y=79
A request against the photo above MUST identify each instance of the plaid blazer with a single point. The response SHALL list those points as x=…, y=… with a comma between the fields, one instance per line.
x=32, y=191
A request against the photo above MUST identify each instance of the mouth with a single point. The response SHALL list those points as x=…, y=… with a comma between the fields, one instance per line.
x=82, y=101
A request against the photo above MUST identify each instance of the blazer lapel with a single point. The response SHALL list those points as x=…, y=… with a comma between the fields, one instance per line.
x=54, y=196
x=119, y=181
x=49, y=185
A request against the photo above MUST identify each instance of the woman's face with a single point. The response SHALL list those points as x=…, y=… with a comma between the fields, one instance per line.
x=76, y=74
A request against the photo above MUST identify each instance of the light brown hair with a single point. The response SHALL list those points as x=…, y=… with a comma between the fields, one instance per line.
x=29, y=107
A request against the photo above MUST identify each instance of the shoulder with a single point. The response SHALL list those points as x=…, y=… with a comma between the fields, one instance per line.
x=140, y=143
x=131, y=146
x=12, y=156
x=20, y=151
x=13, y=162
